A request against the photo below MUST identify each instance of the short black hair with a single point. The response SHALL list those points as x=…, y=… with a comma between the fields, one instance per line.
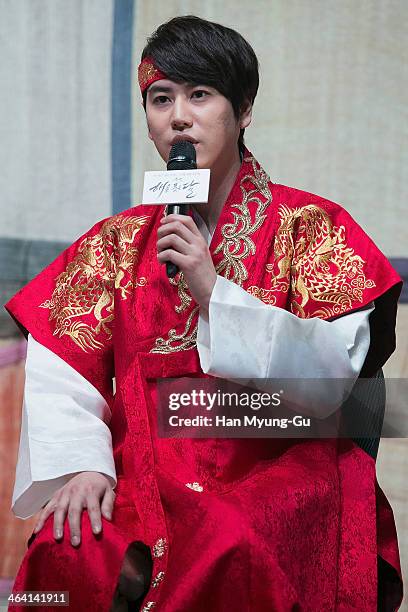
x=193, y=50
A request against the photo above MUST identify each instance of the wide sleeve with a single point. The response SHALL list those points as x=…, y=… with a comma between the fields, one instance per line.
x=247, y=339
x=64, y=430
x=69, y=306
x=330, y=268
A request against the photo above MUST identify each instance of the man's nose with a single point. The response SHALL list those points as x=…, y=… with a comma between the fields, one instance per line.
x=181, y=117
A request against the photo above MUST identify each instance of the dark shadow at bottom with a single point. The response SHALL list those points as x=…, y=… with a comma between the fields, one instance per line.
x=134, y=579
x=389, y=587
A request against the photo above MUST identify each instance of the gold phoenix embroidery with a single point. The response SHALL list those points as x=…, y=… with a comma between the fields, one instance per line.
x=86, y=287
x=236, y=245
x=319, y=266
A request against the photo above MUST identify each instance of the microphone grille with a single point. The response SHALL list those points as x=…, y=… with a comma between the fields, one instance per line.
x=183, y=148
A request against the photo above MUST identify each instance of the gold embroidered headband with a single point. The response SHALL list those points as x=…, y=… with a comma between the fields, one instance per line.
x=148, y=73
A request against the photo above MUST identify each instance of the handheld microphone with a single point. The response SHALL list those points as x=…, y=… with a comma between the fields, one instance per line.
x=182, y=157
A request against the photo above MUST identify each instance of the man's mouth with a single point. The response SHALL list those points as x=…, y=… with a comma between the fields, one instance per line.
x=180, y=138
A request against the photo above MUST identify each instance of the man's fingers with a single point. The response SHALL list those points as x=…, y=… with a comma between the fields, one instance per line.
x=45, y=513
x=83, y=491
x=179, y=223
x=173, y=256
x=74, y=519
x=94, y=511
x=60, y=512
x=172, y=241
x=107, y=503
x=176, y=229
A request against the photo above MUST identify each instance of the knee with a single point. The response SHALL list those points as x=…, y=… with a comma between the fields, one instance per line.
x=46, y=541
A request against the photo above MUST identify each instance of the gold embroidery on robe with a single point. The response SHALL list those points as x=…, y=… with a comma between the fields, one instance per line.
x=182, y=290
x=178, y=342
x=236, y=245
x=157, y=580
x=319, y=266
x=86, y=287
x=159, y=548
x=195, y=486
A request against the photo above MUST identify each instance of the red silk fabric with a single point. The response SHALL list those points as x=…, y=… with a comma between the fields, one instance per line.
x=148, y=73
x=232, y=524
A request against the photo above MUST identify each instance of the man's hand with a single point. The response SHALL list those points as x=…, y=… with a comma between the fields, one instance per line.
x=180, y=242
x=90, y=490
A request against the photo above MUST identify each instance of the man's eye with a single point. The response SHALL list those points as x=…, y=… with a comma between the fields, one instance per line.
x=160, y=100
x=199, y=93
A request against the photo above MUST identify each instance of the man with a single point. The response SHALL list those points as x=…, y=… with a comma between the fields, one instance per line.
x=274, y=282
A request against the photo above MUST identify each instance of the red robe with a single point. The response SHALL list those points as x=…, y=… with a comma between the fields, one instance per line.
x=278, y=525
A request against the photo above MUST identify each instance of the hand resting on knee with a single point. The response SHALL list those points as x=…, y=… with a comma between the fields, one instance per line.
x=87, y=490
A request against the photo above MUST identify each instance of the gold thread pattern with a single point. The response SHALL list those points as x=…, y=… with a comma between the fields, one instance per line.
x=186, y=340
x=159, y=548
x=268, y=296
x=265, y=295
x=311, y=255
x=147, y=73
x=182, y=290
x=157, y=580
x=236, y=245
x=86, y=287
x=149, y=606
x=195, y=486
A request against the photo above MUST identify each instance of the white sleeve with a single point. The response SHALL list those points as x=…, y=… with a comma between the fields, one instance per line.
x=64, y=430
x=247, y=339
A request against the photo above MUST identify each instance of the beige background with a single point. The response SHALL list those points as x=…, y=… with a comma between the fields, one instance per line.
x=55, y=125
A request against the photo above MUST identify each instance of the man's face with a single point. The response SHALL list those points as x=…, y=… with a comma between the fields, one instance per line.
x=179, y=111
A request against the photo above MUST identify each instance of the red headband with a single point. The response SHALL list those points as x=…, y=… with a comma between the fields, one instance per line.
x=148, y=74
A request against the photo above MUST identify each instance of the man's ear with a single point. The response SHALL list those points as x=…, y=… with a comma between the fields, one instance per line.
x=246, y=116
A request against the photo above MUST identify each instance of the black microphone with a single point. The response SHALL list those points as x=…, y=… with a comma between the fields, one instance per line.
x=182, y=157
